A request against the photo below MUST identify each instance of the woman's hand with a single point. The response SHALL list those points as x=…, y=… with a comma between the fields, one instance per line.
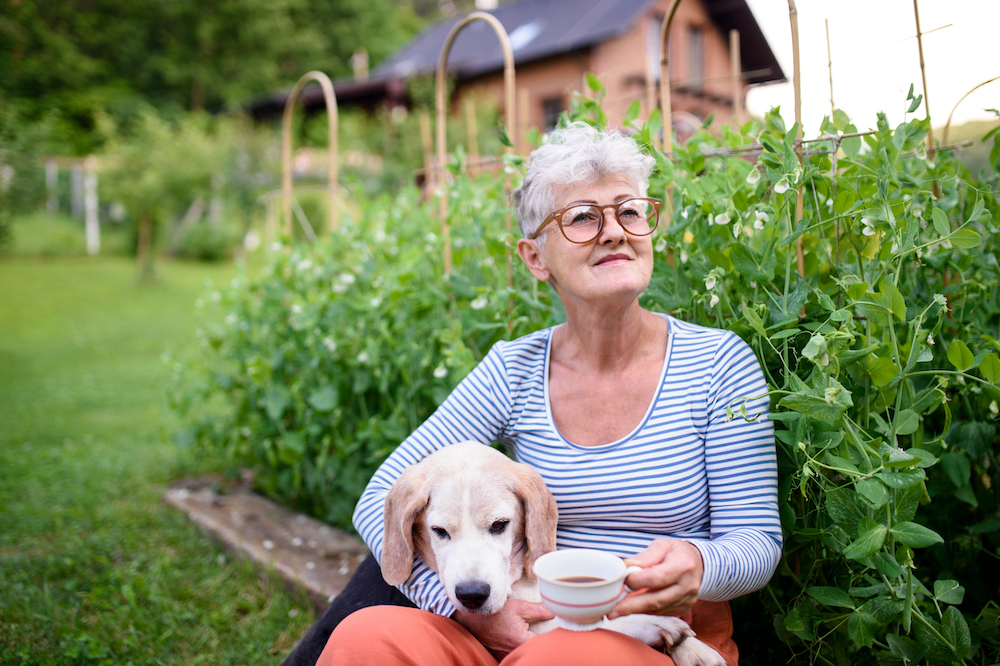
x=668, y=583
x=503, y=631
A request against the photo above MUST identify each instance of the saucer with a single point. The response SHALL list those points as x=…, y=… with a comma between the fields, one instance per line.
x=576, y=626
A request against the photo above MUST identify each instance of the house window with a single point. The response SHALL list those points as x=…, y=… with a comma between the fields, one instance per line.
x=551, y=108
x=696, y=56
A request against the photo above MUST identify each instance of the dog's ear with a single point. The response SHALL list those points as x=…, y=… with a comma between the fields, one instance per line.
x=540, y=515
x=407, y=498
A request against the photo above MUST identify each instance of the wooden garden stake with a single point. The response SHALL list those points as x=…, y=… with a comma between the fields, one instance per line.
x=508, y=76
x=665, y=111
x=736, y=67
x=793, y=17
x=829, y=65
x=286, y=147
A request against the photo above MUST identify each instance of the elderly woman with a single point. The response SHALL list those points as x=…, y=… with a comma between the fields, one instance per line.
x=623, y=411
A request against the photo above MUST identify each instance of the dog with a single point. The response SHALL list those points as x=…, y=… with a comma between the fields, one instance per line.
x=480, y=520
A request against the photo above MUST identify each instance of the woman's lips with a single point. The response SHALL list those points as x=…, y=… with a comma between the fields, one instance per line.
x=613, y=259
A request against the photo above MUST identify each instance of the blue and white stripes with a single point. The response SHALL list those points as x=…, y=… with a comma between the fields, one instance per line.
x=688, y=470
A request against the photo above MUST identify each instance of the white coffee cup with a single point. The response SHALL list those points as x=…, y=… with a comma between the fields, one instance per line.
x=580, y=586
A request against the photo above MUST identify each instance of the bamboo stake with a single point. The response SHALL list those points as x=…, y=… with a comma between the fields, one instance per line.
x=947, y=125
x=923, y=78
x=793, y=17
x=666, y=113
x=330, y=100
x=508, y=76
x=471, y=131
x=427, y=144
x=829, y=64
x=736, y=67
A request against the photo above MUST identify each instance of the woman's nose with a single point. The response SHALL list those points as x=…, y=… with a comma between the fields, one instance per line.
x=612, y=230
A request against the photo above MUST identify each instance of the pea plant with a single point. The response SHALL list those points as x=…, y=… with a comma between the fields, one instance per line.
x=861, y=269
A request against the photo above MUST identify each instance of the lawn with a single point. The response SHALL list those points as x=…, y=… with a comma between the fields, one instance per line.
x=94, y=569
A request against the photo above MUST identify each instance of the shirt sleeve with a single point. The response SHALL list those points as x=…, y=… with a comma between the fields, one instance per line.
x=744, y=547
x=479, y=410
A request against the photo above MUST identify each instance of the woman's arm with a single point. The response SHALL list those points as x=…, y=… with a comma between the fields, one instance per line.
x=740, y=464
x=478, y=409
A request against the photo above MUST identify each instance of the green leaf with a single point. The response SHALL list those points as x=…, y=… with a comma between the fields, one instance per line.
x=841, y=464
x=957, y=467
x=324, y=399
x=956, y=631
x=867, y=544
x=949, y=591
x=827, y=405
x=886, y=565
x=915, y=535
x=276, y=400
x=844, y=510
x=861, y=628
x=901, y=479
x=873, y=490
x=594, y=83
x=831, y=596
x=754, y=320
x=940, y=220
x=751, y=265
x=990, y=367
x=959, y=355
x=906, y=422
x=966, y=239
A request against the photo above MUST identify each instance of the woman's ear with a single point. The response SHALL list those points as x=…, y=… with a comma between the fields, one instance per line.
x=531, y=255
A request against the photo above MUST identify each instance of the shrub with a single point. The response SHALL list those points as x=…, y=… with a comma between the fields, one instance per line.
x=872, y=303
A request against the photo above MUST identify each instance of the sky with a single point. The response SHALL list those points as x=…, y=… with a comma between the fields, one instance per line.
x=875, y=57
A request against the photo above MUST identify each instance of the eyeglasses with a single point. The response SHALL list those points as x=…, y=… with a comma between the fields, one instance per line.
x=582, y=223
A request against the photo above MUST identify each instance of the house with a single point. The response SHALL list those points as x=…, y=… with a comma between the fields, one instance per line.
x=557, y=42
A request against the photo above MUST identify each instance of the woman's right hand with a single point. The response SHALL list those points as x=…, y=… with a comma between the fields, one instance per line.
x=506, y=629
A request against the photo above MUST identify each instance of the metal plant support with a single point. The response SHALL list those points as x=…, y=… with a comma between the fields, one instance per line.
x=286, y=150
x=508, y=79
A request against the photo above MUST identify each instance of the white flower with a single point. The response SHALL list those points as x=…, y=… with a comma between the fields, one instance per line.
x=906, y=197
x=920, y=152
x=930, y=339
x=781, y=187
x=276, y=247
x=867, y=228
x=347, y=278
x=231, y=319
x=754, y=176
x=479, y=303
x=829, y=204
x=894, y=248
x=339, y=288
x=430, y=237
x=684, y=213
x=330, y=345
x=868, y=231
x=684, y=256
x=710, y=282
x=713, y=301
x=831, y=394
x=762, y=216
x=661, y=245
x=375, y=302
x=379, y=236
x=363, y=357
x=940, y=299
x=296, y=308
x=304, y=265
x=994, y=408
x=736, y=230
x=722, y=218
x=758, y=223
x=440, y=372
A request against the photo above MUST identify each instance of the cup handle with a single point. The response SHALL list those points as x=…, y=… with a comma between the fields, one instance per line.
x=629, y=570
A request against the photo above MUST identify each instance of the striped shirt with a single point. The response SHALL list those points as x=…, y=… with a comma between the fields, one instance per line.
x=689, y=470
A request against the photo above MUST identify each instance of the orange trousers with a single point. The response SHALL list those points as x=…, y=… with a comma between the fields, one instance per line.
x=398, y=636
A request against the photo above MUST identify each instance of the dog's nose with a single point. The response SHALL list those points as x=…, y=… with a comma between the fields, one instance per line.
x=474, y=594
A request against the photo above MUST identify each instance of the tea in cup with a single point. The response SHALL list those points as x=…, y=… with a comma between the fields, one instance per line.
x=580, y=586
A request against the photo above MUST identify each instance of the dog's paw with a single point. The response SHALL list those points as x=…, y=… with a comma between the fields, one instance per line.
x=692, y=652
x=659, y=631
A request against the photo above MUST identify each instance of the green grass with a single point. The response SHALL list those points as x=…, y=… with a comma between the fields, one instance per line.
x=94, y=569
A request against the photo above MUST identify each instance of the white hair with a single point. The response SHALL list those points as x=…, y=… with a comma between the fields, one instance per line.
x=572, y=155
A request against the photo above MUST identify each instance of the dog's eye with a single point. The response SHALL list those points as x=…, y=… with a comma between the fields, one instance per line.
x=440, y=532
x=499, y=526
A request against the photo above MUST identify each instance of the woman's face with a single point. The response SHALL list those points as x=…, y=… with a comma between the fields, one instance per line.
x=615, y=266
